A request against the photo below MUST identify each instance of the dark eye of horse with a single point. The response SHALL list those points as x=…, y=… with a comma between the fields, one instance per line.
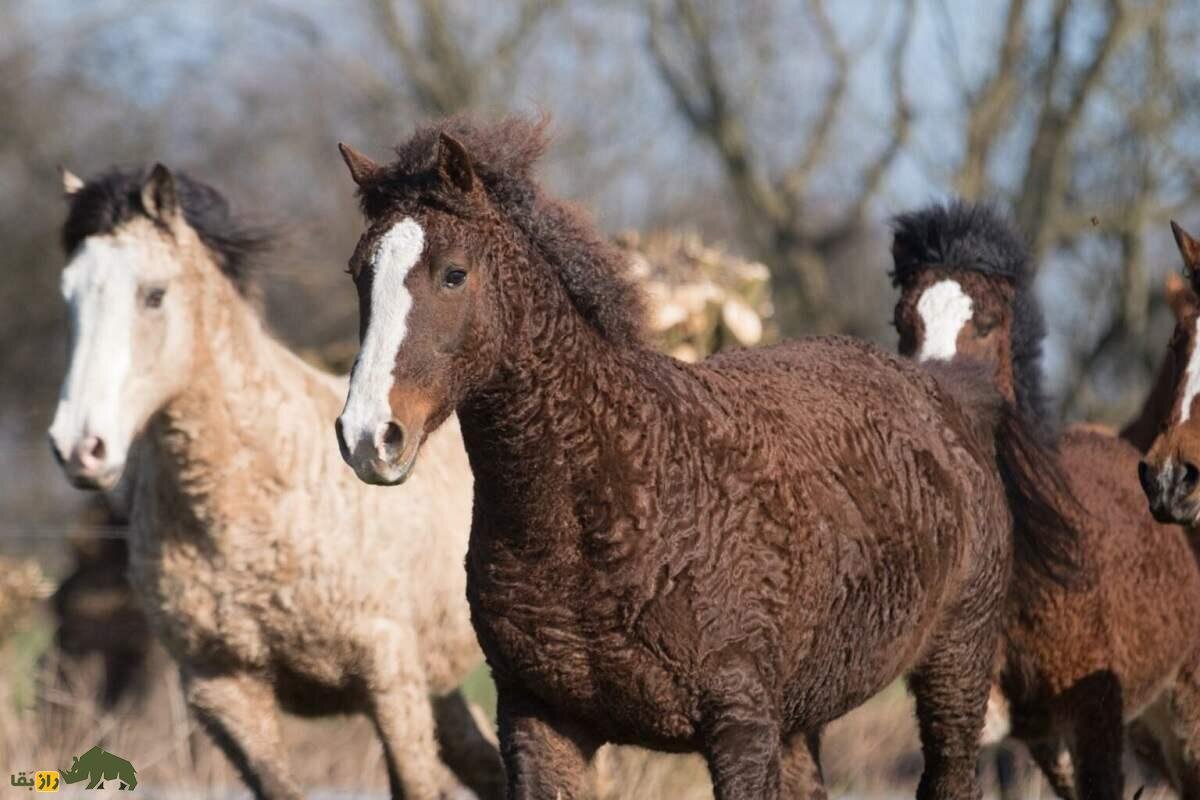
x=985, y=326
x=454, y=278
x=154, y=297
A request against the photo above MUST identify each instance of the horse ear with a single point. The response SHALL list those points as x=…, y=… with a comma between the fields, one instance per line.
x=1189, y=248
x=1180, y=296
x=454, y=164
x=71, y=182
x=159, y=198
x=361, y=168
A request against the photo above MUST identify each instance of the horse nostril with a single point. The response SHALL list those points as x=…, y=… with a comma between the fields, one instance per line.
x=1148, y=479
x=1191, y=476
x=393, y=435
x=90, y=453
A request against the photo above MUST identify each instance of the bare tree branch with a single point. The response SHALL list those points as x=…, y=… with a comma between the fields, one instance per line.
x=444, y=76
x=798, y=176
x=692, y=73
x=1048, y=170
x=990, y=104
x=901, y=122
x=708, y=110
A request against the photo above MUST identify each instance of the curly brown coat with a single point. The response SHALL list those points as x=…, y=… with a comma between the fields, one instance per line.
x=718, y=557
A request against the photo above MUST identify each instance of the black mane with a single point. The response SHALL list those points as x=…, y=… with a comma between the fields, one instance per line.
x=113, y=198
x=593, y=271
x=977, y=238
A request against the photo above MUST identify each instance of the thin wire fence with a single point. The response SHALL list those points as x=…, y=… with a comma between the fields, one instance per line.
x=51, y=532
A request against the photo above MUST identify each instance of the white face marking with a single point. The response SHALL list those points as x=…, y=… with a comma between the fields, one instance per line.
x=367, y=409
x=100, y=288
x=1191, y=385
x=126, y=358
x=944, y=308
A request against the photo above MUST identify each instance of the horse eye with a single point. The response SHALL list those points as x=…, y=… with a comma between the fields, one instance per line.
x=154, y=297
x=454, y=278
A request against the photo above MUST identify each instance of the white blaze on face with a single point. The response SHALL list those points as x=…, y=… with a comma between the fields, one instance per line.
x=100, y=288
x=367, y=410
x=1191, y=384
x=944, y=309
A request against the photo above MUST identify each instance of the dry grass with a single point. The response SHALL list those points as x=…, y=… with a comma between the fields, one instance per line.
x=871, y=754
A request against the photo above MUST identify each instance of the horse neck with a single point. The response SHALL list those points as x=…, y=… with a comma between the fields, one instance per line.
x=560, y=393
x=1143, y=429
x=248, y=395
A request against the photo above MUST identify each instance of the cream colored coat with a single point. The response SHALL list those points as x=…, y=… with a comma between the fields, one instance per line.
x=275, y=576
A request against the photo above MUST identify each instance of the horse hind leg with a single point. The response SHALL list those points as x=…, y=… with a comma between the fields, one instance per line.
x=801, y=768
x=951, y=689
x=1179, y=733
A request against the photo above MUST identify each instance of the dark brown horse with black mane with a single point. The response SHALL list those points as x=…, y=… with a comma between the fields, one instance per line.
x=718, y=557
x=1119, y=644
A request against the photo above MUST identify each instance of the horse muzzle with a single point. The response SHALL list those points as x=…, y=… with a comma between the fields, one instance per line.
x=87, y=463
x=382, y=457
x=1171, y=491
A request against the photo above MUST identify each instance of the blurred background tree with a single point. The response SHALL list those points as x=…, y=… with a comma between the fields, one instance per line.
x=787, y=132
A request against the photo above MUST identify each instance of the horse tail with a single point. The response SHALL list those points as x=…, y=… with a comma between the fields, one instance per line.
x=1046, y=517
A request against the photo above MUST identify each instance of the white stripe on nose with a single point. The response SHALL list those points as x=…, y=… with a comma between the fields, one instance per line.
x=100, y=290
x=944, y=308
x=1191, y=385
x=367, y=410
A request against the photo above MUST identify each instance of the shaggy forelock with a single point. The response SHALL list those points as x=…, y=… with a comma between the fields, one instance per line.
x=977, y=238
x=108, y=201
x=503, y=154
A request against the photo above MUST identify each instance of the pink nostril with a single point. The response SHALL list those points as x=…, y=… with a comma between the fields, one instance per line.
x=90, y=452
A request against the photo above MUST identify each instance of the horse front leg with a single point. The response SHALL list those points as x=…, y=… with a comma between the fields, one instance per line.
x=743, y=742
x=744, y=753
x=239, y=712
x=403, y=716
x=545, y=757
x=951, y=688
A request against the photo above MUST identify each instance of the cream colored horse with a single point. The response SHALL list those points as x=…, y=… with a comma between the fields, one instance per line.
x=275, y=577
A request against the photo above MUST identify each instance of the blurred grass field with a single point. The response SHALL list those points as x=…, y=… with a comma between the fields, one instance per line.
x=871, y=754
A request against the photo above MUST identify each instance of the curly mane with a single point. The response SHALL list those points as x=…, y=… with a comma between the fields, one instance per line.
x=592, y=271
x=977, y=238
x=109, y=200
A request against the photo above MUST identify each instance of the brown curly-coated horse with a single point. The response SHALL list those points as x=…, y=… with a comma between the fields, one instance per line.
x=1119, y=644
x=716, y=558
